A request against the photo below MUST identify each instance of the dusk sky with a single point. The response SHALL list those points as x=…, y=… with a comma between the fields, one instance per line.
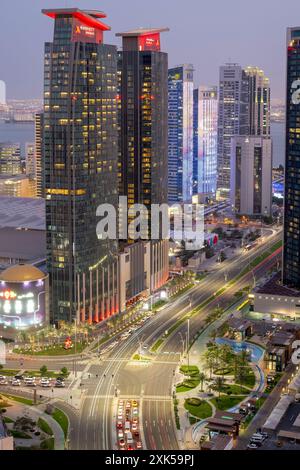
x=205, y=33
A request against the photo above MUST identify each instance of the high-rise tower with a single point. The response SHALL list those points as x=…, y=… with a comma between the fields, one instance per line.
x=233, y=119
x=80, y=164
x=143, y=139
x=180, y=133
x=291, y=247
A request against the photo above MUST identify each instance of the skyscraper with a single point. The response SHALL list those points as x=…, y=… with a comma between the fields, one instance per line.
x=10, y=159
x=291, y=246
x=206, y=139
x=2, y=93
x=180, y=134
x=143, y=144
x=233, y=119
x=251, y=175
x=80, y=162
x=38, y=154
x=259, y=101
x=195, y=140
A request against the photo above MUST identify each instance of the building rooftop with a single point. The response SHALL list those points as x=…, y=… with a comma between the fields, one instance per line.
x=274, y=287
x=142, y=32
x=87, y=17
x=26, y=245
x=21, y=273
x=18, y=212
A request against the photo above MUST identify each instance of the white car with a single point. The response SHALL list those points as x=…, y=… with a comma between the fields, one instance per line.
x=44, y=381
x=120, y=434
x=16, y=383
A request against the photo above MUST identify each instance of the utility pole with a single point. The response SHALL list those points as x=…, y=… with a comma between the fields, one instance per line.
x=188, y=344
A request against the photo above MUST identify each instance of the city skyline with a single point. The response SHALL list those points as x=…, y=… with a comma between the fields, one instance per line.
x=266, y=48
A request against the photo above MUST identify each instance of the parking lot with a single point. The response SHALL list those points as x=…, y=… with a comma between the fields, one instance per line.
x=31, y=381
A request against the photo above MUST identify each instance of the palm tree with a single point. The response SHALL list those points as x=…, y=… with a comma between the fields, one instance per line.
x=218, y=384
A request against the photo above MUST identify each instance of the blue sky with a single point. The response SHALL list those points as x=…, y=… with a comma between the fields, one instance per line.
x=204, y=33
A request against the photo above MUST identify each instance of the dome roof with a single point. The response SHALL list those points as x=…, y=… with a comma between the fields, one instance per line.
x=22, y=273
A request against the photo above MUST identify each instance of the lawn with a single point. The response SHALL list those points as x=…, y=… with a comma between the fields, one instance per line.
x=9, y=372
x=48, y=444
x=199, y=408
x=235, y=389
x=159, y=304
x=157, y=344
x=50, y=374
x=226, y=402
x=249, y=379
x=25, y=401
x=190, y=370
x=44, y=426
x=187, y=385
x=19, y=434
x=62, y=420
x=8, y=420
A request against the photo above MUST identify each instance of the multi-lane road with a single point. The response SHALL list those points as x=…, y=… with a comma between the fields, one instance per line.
x=92, y=427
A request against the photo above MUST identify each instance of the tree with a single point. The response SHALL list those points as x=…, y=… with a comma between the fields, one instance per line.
x=202, y=378
x=64, y=371
x=44, y=370
x=218, y=384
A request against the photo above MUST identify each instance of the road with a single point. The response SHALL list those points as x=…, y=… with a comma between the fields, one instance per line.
x=151, y=384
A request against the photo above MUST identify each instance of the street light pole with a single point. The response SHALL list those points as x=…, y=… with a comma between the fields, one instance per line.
x=75, y=364
x=188, y=344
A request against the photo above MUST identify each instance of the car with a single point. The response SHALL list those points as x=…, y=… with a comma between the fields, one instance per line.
x=120, y=434
x=135, y=420
x=252, y=446
x=134, y=427
x=130, y=447
x=60, y=379
x=16, y=383
x=46, y=384
x=3, y=382
x=2, y=377
x=59, y=384
x=134, y=403
x=19, y=377
x=119, y=425
x=121, y=442
x=120, y=416
x=128, y=405
x=44, y=380
x=136, y=434
x=135, y=411
x=139, y=445
x=30, y=383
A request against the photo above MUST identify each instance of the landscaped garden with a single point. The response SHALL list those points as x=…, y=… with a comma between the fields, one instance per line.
x=198, y=408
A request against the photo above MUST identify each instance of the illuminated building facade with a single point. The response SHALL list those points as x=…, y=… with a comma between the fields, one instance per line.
x=259, y=102
x=80, y=161
x=10, y=159
x=38, y=150
x=180, y=133
x=233, y=119
x=24, y=301
x=206, y=139
x=291, y=246
x=143, y=140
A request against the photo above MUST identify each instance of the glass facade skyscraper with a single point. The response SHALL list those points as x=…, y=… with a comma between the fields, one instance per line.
x=233, y=119
x=291, y=247
x=180, y=133
x=143, y=142
x=206, y=139
x=80, y=165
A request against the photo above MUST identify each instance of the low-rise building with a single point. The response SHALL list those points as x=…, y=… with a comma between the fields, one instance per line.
x=275, y=298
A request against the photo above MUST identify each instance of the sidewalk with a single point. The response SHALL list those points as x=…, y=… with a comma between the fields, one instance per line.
x=36, y=412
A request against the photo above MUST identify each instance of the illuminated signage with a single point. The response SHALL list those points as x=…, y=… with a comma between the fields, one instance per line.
x=85, y=33
x=8, y=294
x=87, y=30
x=149, y=43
